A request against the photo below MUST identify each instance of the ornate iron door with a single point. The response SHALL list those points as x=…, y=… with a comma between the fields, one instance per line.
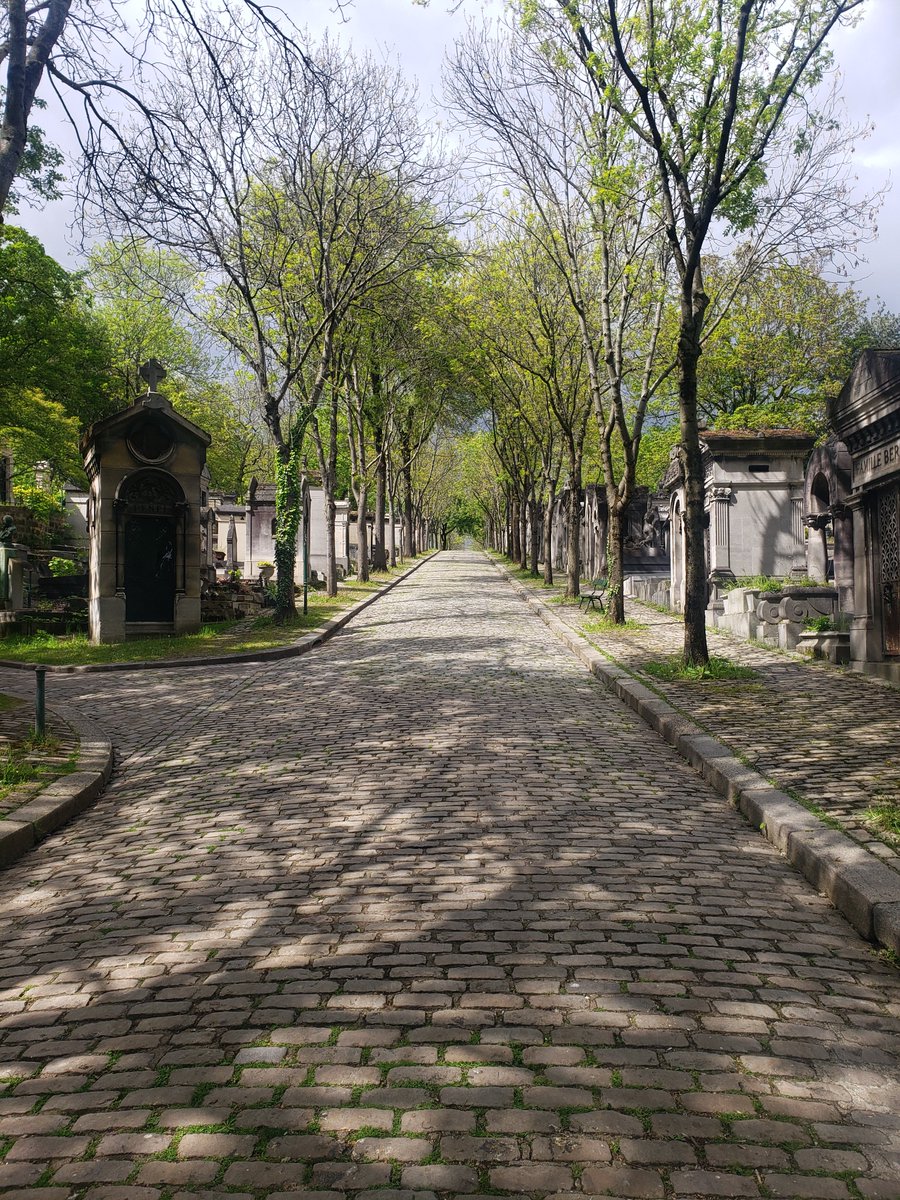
x=889, y=538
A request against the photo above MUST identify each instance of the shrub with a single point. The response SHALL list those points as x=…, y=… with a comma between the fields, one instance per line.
x=42, y=503
x=64, y=566
x=819, y=625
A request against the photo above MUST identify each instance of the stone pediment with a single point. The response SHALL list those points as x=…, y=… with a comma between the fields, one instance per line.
x=870, y=397
x=158, y=414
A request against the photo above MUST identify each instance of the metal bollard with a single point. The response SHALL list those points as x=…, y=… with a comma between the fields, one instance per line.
x=40, y=701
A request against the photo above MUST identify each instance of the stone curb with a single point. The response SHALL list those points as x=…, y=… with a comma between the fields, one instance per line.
x=858, y=885
x=65, y=798
x=301, y=646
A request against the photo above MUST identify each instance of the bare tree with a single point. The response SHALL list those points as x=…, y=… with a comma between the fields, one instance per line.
x=95, y=60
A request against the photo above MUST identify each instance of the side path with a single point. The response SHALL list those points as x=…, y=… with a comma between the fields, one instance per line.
x=427, y=912
x=823, y=732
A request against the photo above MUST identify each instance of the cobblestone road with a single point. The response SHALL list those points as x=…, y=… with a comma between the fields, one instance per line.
x=426, y=912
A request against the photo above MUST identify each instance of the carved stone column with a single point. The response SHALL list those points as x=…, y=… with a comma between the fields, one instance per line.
x=865, y=639
x=720, y=541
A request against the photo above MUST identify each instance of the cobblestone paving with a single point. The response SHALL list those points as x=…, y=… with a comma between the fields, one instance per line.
x=427, y=913
x=824, y=732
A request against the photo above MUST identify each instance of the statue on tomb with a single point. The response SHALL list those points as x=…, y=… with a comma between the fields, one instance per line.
x=7, y=531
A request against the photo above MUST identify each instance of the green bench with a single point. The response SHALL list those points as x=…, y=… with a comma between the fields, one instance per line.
x=596, y=594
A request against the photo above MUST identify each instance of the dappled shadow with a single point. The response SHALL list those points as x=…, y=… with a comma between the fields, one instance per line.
x=445, y=803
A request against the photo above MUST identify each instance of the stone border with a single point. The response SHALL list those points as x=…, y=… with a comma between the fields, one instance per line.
x=301, y=646
x=63, y=799
x=858, y=885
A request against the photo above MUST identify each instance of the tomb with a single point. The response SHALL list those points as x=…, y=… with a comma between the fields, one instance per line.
x=145, y=465
x=866, y=509
x=754, y=507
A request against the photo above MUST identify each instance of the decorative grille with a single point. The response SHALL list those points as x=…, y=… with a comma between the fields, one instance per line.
x=889, y=531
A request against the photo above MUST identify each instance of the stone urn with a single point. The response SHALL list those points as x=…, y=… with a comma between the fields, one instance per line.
x=266, y=571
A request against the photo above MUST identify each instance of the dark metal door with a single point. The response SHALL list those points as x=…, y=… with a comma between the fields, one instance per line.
x=889, y=539
x=150, y=569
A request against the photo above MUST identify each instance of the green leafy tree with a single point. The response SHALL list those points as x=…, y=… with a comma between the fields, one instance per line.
x=720, y=93
x=785, y=344
x=133, y=286
x=54, y=356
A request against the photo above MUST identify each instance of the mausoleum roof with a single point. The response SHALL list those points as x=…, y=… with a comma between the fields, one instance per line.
x=871, y=394
x=763, y=443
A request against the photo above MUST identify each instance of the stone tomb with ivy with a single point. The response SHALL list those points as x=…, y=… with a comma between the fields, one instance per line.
x=146, y=466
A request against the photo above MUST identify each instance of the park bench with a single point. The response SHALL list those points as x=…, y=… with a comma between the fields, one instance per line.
x=596, y=594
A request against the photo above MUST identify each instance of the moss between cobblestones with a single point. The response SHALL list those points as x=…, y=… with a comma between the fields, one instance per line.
x=883, y=818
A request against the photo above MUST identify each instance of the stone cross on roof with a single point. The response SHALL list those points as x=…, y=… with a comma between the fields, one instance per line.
x=154, y=373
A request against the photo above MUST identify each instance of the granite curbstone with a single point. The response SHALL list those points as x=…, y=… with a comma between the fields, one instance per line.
x=65, y=797
x=303, y=644
x=887, y=924
x=862, y=888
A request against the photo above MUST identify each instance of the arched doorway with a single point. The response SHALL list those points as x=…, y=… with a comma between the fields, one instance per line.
x=151, y=507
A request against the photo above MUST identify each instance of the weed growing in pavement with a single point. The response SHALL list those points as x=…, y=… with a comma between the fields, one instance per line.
x=884, y=817
x=604, y=625
x=889, y=956
x=677, y=670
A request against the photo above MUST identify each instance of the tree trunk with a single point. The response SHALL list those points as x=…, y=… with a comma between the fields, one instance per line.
x=523, y=531
x=615, y=566
x=535, y=509
x=514, y=552
x=549, y=511
x=327, y=456
x=696, y=651
x=288, y=513
x=573, y=538
x=330, y=547
x=393, y=533
x=408, y=516
x=362, y=536
x=379, y=551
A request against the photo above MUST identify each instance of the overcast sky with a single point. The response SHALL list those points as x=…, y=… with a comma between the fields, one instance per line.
x=418, y=37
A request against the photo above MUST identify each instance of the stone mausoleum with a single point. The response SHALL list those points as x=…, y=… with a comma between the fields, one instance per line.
x=146, y=467
x=865, y=511
x=754, y=505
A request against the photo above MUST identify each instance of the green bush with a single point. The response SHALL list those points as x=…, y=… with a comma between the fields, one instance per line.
x=42, y=503
x=64, y=566
x=819, y=625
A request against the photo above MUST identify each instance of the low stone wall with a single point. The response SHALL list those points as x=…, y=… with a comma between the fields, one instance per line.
x=777, y=618
x=649, y=589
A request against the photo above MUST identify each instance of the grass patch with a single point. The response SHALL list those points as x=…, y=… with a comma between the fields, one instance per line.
x=673, y=670
x=603, y=624
x=222, y=637
x=32, y=760
x=883, y=818
x=771, y=583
